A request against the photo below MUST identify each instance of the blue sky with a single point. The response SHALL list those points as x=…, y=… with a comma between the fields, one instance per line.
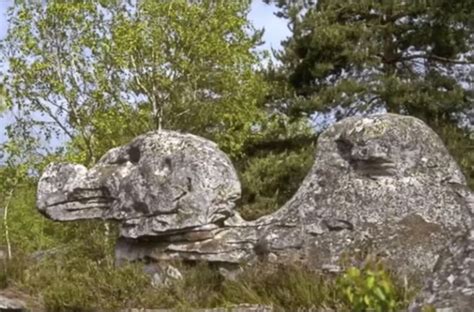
x=261, y=16
x=4, y=4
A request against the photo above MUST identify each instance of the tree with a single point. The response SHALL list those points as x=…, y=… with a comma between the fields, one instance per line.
x=410, y=57
x=101, y=72
x=15, y=161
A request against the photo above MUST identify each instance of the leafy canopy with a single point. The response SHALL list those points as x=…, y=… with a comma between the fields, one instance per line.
x=101, y=72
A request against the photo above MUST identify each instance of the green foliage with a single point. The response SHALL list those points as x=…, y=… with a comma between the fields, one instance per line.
x=460, y=144
x=88, y=285
x=428, y=308
x=288, y=287
x=102, y=72
x=368, y=290
x=278, y=157
x=72, y=280
x=408, y=57
x=405, y=57
x=270, y=180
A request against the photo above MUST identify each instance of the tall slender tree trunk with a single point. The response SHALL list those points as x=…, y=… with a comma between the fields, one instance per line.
x=5, y=221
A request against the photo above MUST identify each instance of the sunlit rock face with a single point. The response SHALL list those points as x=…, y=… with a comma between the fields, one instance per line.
x=383, y=184
x=159, y=183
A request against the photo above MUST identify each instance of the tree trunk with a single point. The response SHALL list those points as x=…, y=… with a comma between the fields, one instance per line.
x=5, y=221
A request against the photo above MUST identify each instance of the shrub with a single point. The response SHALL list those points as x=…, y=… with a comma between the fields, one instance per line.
x=371, y=288
x=269, y=181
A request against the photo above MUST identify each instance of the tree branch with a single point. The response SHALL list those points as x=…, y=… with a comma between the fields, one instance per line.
x=50, y=114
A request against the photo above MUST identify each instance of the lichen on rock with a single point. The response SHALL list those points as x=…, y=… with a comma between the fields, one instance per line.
x=161, y=182
x=451, y=286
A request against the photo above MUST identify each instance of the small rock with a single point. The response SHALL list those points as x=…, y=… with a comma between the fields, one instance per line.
x=331, y=268
x=162, y=274
x=11, y=305
x=230, y=271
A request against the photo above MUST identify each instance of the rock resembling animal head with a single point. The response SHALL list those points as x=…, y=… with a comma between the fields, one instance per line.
x=160, y=182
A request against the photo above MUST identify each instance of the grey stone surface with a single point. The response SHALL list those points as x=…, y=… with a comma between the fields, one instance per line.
x=162, y=274
x=383, y=184
x=11, y=305
x=451, y=286
x=161, y=182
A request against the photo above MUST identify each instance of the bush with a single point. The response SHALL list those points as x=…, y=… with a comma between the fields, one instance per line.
x=373, y=288
x=460, y=143
x=369, y=290
x=269, y=181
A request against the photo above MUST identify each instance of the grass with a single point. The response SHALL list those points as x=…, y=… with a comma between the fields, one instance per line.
x=67, y=282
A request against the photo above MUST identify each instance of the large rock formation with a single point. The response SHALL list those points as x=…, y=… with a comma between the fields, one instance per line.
x=383, y=184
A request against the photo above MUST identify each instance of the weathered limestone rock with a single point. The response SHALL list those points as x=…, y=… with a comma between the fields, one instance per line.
x=161, y=182
x=384, y=184
x=451, y=287
x=11, y=305
x=162, y=274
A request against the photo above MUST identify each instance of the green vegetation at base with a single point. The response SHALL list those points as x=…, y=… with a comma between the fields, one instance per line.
x=70, y=267
x=72, y=282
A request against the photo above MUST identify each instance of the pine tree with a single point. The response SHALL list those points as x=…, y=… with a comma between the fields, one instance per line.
x=410, y=57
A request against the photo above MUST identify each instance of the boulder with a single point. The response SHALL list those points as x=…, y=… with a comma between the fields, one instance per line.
x=161, y=182
x=11, y=305
x=162, y=274
x=383, y=184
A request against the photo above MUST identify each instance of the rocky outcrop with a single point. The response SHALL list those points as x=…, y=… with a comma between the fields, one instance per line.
x=383, y=184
